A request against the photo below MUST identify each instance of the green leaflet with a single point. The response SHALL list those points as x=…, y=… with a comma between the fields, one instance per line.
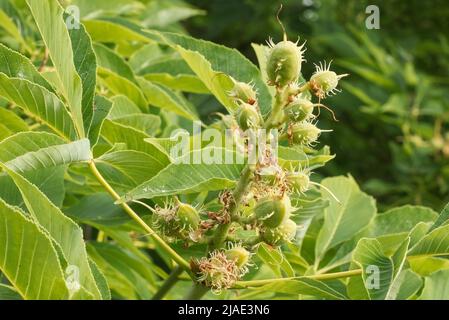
x=275, y=259
x=35, y=270
x=134, y=139
x=49, y=180
x=436, y=286
x=109, y=59
x=89, y=9
x=126, y=272
x=8, y=24
x=112, y=30
x=304, y=286
x=8, y=293
x=380, y=273
x=188, y=178
x=15, y=65
x=67, y=234
x=120, y=85
x=128, y=168
x=39, y=102
x=213, y=64
x=86, y=67
x=148, y=123
x=436, y=242
x=343, y=220
x=172, y=72
x=11, y=123
x=27, y=151
x=48, y=15
x=161, y=97
x=102, y=107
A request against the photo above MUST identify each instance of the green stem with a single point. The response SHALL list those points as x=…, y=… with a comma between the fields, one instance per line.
x=222, y=230
x=168, y=283
x=279, y=102
x=172, y=253
x=196, y=292
x=327, y=276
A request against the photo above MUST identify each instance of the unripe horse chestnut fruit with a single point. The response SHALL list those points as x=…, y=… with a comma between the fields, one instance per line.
x=284, y=63
x=304, y=133
x=273, y=210
x=248, y=117
x=285, y=232
x=239, y=255
x=299, y=109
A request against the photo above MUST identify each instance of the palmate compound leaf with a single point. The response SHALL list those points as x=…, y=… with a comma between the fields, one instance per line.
x=28, y=258
x=213, y=64
x=48, y=15
x=66, y=233
x=343, y=220
x=183, y=178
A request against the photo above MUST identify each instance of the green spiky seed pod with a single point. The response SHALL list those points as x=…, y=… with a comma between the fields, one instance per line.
x=188, y=217
x=298, y=110
x=304, y=133
x=324, y=81
x=248, y=117
x=239, y=255
x=273, y=210
x=298, y=181
x=284, y=233
x=284, y=63
x=243, y=92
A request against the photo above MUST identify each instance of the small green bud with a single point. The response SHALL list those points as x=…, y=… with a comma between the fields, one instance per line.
x=239, y=255
x=300, y=109
x=324, y=82
x=284, y=62
x=248, y=117
x=284, y=233
x=273, y=210
x=243, y=92
x=304, y=133
x=298, y=181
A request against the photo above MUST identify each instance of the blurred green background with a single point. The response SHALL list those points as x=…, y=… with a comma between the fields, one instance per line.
x=392, y=134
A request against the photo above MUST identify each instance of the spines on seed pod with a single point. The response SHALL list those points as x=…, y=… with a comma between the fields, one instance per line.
x=324, y=81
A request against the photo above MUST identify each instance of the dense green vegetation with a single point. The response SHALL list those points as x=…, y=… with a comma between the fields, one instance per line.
x=97, y=202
